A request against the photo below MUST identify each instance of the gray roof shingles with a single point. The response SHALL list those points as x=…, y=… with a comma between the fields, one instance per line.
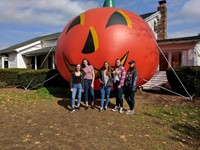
x=41, y=38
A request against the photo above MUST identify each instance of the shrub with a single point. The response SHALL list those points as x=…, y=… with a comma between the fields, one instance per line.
x=31, y=78
x=189, y=76
x=36, y=79
x=9, y=77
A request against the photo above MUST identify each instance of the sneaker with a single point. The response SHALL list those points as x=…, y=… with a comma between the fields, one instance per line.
x=130, y=112
x=115, y=109
x=105, y=108
x=92, y=107
x=72, y=110
x=101, y=109
x=121, y=110
x=78, y=108
x=86, y=107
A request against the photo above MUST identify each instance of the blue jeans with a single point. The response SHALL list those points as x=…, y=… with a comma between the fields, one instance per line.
x=105, y=91
x=87, y=86
x=76, y=87
x=118, y=94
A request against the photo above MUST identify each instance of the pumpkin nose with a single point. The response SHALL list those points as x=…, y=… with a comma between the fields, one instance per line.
x=92, y=42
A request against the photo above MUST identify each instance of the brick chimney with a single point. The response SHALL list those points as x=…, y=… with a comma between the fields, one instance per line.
x=162, y=25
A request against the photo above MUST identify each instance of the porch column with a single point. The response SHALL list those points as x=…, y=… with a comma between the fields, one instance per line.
x=2, y=62
x=53, y=61
x=35, y=57
x=170, y=58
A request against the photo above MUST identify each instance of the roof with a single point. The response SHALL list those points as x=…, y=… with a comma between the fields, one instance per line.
x=190, y=38
x=42, y=51
x=53, y=36
x=144, y=16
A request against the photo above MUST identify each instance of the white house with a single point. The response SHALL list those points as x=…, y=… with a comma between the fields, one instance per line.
x=183, y=51
x=31, y=53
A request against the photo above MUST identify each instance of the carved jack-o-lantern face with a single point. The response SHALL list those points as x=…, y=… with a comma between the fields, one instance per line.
x=107, y=34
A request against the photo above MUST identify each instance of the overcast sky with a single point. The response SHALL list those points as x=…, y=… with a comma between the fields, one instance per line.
x=21, y=20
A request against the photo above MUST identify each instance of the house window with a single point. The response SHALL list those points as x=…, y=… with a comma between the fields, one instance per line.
x=33, y=62
x=176, y=59
x=50, y=63
x=5, y=62
x=39, y=62
x=163, y=64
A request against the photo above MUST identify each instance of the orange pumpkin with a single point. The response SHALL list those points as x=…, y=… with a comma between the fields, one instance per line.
x=105, y=34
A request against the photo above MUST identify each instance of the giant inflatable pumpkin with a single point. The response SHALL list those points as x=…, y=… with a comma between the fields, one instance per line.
x=105, y=34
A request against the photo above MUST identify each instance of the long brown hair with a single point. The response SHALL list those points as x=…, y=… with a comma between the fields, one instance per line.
x=82, y=64
x=131, y=69
x=75, y=69
x=115, y=63
x=108, y=73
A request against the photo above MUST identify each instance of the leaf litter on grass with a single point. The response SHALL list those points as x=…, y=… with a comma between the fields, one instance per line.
x=158, y=123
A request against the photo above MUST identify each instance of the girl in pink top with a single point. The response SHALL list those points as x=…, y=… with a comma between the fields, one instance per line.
x=88, y=82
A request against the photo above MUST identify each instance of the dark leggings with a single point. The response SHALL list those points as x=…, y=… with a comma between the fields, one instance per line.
x=118, y=94
x=130, y=97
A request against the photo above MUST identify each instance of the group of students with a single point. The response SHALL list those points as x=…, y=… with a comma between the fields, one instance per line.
x=122, y=81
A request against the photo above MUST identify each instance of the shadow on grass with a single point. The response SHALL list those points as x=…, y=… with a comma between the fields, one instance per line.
x=187, y=134
x=66, y=99
x=64, y=103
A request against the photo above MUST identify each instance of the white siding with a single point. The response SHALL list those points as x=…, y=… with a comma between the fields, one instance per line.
x=12, y=61
x=21, y=61
x=184, y=58
x=152, y=23
x=197, y=54
x=30, y=49
x=191, y=57
x=49, y=43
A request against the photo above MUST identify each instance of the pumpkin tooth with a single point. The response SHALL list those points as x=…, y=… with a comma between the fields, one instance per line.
x=72, y=67
x=68, y=65
x=124, y=58
x=96, y=71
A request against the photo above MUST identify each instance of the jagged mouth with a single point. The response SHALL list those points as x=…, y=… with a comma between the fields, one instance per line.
x=71, y=67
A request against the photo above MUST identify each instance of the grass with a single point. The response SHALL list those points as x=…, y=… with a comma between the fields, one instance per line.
x=43, y=122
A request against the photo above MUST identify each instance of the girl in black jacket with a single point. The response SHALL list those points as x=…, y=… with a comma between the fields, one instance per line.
x=105, y=79
x=130, y=86
x=76, y=85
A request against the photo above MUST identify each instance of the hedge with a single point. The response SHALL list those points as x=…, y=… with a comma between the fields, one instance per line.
x=189, y=76
x=30, y=78
x=34, y=78
x=9, y=77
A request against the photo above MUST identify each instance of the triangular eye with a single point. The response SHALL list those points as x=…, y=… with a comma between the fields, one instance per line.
x=78, y=20
x=115, y=19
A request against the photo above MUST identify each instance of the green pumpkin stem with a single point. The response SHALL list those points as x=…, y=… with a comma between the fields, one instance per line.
x=109, y=3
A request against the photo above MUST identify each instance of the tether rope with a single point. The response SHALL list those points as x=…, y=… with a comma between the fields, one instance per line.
x=44, y=81
x=42, y=64
x=190, y=97
x=187, y=98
